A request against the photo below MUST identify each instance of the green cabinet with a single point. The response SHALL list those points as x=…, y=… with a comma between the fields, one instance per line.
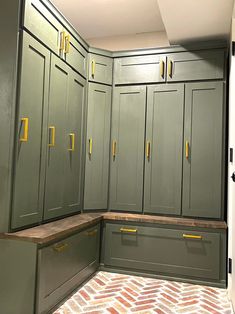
x=203, y=165
x=163, y=158
x=97, y=147
x=100, y=69
x=27, y=205
x=140, y=69
x=127, y=157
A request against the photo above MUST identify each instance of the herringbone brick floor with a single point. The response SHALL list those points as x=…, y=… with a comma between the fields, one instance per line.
x=109, y=293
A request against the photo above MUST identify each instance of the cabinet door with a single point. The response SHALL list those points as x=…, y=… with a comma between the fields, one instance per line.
x=100, y=69
x=74, y=138
x=30, y=134
x=57, y=140
x=127, y=160
x=203, y=153
x=197, y=65
x=163, y=158
x=97, y=153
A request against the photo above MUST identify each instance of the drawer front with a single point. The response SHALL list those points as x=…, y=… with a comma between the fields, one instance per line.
x=100, y=69
x=166, y=251
x=62, y=261
x=198, y=65
x=40, y=22
x=142, y=69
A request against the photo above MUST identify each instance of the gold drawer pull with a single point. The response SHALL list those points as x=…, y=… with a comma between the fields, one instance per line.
x=128, y=230
x=62, y=41
x=92, y=233
x=187, y=149
x=93, y=68
x=67, y=44
x=192, y=236
x=162, y=69
x=72, y=142
x=25, y=122
x=148, y=150
x=114, y=149
x=171, y=68
x=52, y=136
x=90, y=146
x=60, y=247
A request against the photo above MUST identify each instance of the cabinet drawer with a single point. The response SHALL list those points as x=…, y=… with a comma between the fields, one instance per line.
x=60, y=264
x=165, y=251
x=100, y=69
x=198, y=65
x=141, y=69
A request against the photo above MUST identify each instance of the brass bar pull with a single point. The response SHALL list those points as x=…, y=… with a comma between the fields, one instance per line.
x=93, y=68
x=192, y=236
x=90, y=146
x=67, y=44
x=114, y=149
x=162, y=69
x=148, y=149
x=72, y=142
x=60, y=247
x=170, y=68
x=62, y=41
x=128, y=230
x=52, y=136
x=92, y=233
x=25, y=122
x=187, y=150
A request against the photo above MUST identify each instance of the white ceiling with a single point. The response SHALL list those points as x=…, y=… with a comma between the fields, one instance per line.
x=102, y=18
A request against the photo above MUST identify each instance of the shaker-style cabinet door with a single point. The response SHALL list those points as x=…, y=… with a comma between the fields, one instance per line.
x=127, y=157
x=74, y=136
x=97, y=147
x=203, y=182
x=57, y=142
x=163, y=154
x=27, y=206
x=100, y=69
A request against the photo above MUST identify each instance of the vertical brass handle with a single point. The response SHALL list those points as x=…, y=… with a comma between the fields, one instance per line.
x=72, y=142
x=62, y=41
x=90, y=146
x=52, y=136
x=148, y=149
x=93, y=68
x=25, y=122
x=162, y=69
x=114, y=149
x=67, y=44
x=187, y=149
x=170, y=68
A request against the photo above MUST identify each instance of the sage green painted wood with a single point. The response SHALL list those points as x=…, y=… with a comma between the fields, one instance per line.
x=164, y=250
x=137, y=70
x=73, y=161
x=59, y=267
x=197, y=65
x=203, y=171
x=103, y=69
x=98, y=130
x=56, y=155
x=18, y=270
x=164, y=131
x=29, y=171
x=128, y=130
x=43, y=24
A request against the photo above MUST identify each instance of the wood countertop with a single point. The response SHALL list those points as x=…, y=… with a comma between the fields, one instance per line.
x=56, y=230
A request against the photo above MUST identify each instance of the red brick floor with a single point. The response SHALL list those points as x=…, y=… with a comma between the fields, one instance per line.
x=109, y=293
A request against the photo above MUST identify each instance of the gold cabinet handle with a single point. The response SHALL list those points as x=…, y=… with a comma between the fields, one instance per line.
x=93, y=68
x=72, y=142
x=92, y=233
x=25, y=123
x=114, y=149
x=67, y=44
x=60, y=247
x=128, y=230
x=148, y=149
x=162, y=69
x=90, y=146
x=187, y=149
x=170, y=68
x=62, y=41
x=192, y=236
x=52, y=136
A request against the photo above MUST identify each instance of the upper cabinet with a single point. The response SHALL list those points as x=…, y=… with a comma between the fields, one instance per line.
x=100, y=69
x=141, y=69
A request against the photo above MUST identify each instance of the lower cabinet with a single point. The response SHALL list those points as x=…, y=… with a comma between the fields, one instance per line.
x=198, y=255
